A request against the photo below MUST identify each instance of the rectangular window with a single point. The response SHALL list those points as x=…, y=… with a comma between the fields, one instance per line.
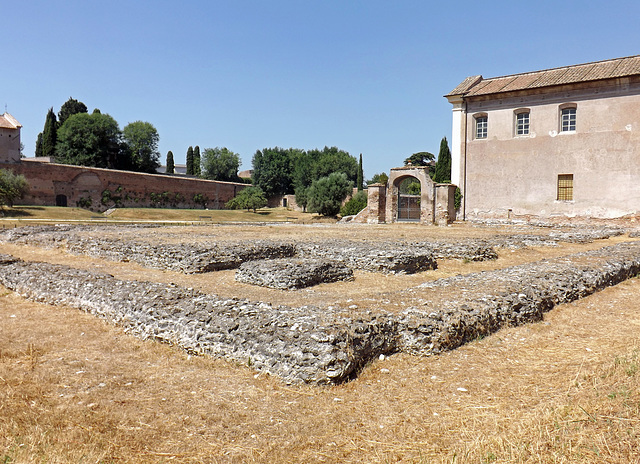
x=565, y=187
x=568, y=120
x=522, y=124
x=481, y=127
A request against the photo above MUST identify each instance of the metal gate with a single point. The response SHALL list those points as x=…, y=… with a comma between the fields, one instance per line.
x=408, y=207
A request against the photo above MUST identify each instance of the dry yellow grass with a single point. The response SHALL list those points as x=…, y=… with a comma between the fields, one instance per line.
x=565, y=390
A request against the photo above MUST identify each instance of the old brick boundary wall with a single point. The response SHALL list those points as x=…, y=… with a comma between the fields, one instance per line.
x=54, y=184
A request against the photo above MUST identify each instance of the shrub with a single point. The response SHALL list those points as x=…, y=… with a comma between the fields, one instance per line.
x=249, y=198
x=327, y=193
x=357, y=203
x=12, y=187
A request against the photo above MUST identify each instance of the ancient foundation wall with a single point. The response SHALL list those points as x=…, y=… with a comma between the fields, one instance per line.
x=326, y=345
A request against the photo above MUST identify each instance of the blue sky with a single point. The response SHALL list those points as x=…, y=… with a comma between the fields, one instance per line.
x=365, y=76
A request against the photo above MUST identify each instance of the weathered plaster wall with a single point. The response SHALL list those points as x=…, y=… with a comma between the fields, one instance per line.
x=519, y=173
x=9, y=145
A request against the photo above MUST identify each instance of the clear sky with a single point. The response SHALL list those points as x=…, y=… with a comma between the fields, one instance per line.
x=365, y=76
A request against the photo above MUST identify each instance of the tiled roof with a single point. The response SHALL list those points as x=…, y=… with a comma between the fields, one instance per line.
x=8, y=122
x=609, y=69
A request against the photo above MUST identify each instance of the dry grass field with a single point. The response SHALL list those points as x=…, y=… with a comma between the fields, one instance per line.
x=76, y=389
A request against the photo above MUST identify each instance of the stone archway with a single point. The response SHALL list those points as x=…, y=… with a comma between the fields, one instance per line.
x=409, y=200
x=404, y=207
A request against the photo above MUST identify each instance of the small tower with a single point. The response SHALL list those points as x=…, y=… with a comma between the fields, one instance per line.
x=9, y=139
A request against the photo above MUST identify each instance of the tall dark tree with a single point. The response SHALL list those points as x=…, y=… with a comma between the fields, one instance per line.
x=272, y=171
x=49, y=134
x=89, y=140
x=196, y=161
x=443, y=165
x=360, y=179
x=39, y=145
x=69, y=108
x=190, y=161
x=171, y=167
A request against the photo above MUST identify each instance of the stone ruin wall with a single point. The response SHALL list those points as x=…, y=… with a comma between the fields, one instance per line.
x=324, y=345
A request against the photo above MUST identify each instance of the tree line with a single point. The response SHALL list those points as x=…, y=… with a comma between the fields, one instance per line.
x=79, y=138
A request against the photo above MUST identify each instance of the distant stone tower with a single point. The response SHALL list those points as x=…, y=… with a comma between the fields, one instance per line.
x=9, y=139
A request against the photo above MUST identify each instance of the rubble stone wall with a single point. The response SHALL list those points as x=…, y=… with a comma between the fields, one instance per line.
x=326, y=345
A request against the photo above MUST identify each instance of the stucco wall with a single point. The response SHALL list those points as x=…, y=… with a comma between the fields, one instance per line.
x=520, y=173
x=81, y=186
x=9, y=145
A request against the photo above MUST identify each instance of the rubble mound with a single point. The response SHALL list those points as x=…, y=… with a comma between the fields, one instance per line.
x=294, y=273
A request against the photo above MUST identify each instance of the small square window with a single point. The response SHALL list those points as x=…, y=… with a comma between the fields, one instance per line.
x=522, y=123
x=565, y=187
x=481, y=127
x=568, y=120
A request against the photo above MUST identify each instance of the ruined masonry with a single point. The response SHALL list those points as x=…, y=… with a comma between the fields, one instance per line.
x=324, y=345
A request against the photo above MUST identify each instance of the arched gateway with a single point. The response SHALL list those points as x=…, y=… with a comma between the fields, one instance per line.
x=391, y=203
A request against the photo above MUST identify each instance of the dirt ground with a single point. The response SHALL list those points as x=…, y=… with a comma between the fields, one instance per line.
x=76, y=389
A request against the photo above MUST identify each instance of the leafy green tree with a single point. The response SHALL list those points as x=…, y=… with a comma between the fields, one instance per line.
x=190, y=161
x=196, y=161
x=332, y=159
x=381, y=178
x=171, y=167
x=248, y=198
x=410, y=186
x=360, y=180
x=50, y=134
x=327, y=193
x=141, y=139
x=272, y=171
x=443, y=165
x=220, y=164
x=302, y=176
x=356, y=203
x=422, y=158
x=69, y=108
x=12, y=187
x=89, y=140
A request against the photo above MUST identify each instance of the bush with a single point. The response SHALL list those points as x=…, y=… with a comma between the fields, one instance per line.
x=12, y=187
x=249, y=198
x=357, y=203
x=326, y=194
x=457, y=198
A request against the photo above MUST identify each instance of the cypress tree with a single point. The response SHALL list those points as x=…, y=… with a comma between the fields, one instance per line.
x=50, y=134
x=69, y=108
x=170, y=164
x=360, y=181
x=39, y=145
x=190, y=161
x=443, y=165
x=196, y=161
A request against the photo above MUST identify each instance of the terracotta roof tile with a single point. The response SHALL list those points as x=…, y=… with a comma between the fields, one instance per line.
x=8, y=122
x=609, y=69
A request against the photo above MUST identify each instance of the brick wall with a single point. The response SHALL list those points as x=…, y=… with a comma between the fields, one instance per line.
x=98, y=189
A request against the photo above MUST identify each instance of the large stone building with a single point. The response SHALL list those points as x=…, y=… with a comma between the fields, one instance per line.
x=557, y=142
